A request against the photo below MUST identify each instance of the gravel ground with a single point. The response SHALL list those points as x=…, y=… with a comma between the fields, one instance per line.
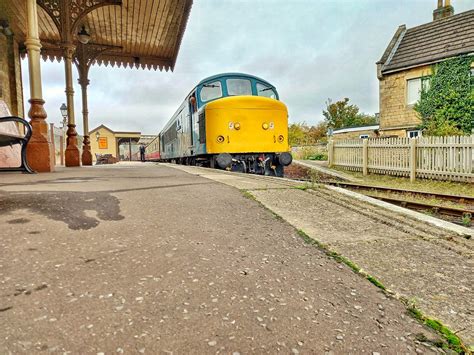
x=149, y=259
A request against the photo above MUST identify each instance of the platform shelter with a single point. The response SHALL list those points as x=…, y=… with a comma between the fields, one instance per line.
x=131, y=33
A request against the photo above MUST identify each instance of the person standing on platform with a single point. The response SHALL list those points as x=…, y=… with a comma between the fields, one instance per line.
x=142, y=152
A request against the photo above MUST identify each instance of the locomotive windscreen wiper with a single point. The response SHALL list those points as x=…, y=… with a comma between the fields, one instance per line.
x=265, y=89
x=211, y=86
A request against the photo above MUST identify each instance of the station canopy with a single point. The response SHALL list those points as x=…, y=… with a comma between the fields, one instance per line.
x=140, y=33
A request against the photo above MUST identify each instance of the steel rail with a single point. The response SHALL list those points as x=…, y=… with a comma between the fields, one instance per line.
x=440, y=196
x=444, y=210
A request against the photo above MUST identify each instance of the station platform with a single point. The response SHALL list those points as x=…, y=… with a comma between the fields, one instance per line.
x=161, y=259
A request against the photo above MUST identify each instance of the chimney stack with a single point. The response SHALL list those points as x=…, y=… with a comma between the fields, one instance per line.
x=444, y=10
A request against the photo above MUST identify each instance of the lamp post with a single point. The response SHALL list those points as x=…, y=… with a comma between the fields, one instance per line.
x=81, y=61
x=63, y=110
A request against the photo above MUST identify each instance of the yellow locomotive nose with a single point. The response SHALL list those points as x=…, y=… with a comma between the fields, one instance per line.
x=265, y=125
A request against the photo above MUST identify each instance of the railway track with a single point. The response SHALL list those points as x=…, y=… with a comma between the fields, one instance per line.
x=467, y=202
x=445, y=197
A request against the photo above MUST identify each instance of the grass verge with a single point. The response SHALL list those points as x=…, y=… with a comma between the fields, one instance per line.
x=453, y=342
x=425, y=185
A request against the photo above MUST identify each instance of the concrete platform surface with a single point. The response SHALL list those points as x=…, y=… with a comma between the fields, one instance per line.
x=145, y=258
x=430, y=266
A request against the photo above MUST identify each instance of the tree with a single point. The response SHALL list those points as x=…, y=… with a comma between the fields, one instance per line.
x=341, y=114
x=446, y=105
x=318, y=133
x=297, y=134
x=302, y=134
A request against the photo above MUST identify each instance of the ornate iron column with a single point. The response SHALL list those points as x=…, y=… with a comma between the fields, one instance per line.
x=85, y=55
x=67, y=16
x=72, y=151
x=39, y=147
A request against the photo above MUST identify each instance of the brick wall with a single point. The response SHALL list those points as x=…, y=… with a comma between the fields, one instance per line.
x=395, y=115
x=11, y=88
x=4, y=72
x=11, y=96
x=20, y=106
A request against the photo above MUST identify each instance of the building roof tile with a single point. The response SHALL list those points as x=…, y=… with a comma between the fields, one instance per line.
x=430, y=43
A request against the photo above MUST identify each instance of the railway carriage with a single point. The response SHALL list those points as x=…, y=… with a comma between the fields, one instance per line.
x=232, y=121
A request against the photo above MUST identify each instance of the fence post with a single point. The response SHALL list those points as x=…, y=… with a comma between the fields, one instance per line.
x=365, y=157
x=330, y=153
x=412, y=159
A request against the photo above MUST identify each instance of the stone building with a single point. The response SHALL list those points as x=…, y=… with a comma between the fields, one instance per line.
x=407, y=61
x=359, y=132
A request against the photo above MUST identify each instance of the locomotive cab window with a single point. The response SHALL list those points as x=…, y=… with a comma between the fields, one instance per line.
x=237, y=87
x=266, y=91
x=211, y=91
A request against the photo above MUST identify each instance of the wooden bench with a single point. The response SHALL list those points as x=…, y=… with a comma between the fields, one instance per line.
x=9, y=138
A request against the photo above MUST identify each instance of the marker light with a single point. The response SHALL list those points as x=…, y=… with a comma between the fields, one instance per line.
x=265, y=125
x=237, y=125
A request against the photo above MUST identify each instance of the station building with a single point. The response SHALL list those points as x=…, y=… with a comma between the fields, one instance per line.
x=407, y=62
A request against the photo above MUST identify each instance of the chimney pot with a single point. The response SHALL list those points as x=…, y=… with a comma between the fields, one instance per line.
x=444, y=10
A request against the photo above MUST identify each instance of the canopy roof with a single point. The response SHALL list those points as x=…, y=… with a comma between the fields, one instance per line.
x=140, y=33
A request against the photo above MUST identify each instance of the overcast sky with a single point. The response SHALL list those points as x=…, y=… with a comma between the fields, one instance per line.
x=311, y=50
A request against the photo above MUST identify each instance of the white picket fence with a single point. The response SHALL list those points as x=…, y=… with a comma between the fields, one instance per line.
x=441, y=158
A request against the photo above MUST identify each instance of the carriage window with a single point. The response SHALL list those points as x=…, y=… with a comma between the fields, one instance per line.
x=211, y=91
x=239, y=87
x=264, y=90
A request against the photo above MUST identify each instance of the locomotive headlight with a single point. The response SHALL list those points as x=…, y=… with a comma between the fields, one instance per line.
x=220, y=139
x=265, y=125
x=281, y=138
x=272, y=125
x=237, y=125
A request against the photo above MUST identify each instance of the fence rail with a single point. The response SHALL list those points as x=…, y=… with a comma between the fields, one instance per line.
x=441, y=158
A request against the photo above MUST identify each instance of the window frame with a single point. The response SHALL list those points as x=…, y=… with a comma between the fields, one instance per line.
x=424, y=81
x=215, y=98
x=364, y=136
x=266, y=86
x=238, y=78
x=419, y=133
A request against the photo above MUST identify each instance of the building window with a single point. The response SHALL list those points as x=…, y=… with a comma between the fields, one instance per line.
x=364, y=136
x=414, y=134
x=472, y=79
x=414, y=87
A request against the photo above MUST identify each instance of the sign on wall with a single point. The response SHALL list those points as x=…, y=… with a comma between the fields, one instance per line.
x=103, y=143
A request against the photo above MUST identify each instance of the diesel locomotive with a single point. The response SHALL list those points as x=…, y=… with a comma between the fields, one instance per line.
x=231, y=121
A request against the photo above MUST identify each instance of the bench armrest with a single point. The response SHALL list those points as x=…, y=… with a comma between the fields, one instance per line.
x=27, y=136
